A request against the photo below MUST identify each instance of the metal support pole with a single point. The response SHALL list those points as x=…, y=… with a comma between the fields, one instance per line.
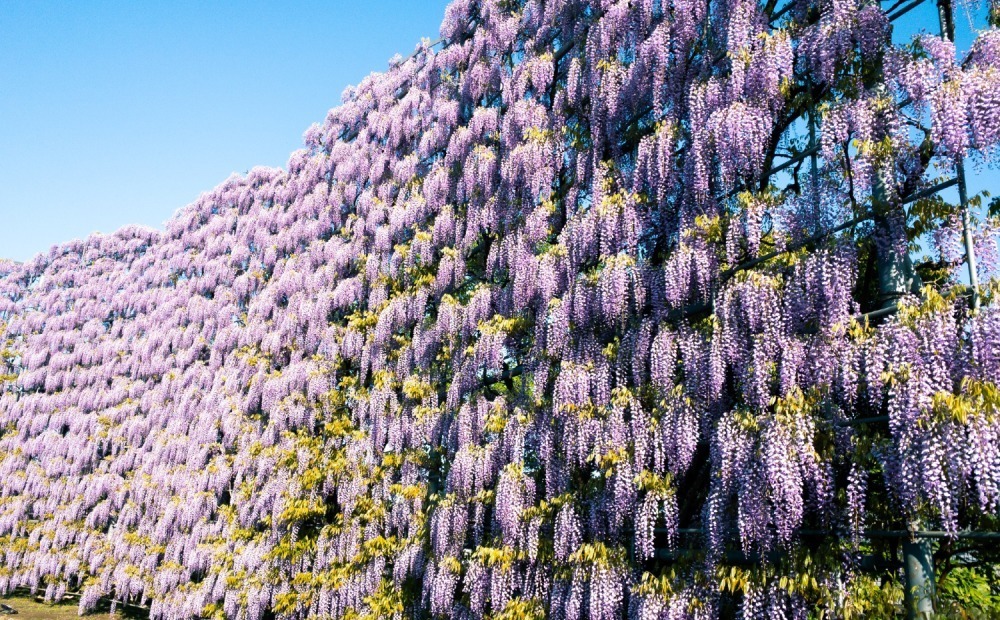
x=918, y=567
x=970, y=248
x=896, y=276
x=947, y=23
x=813, y=158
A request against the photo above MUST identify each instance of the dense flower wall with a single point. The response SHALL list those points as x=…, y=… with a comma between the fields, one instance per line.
x=497, y=342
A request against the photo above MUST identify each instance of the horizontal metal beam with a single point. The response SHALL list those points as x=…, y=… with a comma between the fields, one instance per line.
x=930, y=191
x=914, y=534
x=904, y=10
x=859, y=421
x=793, y=247
x=791, y=161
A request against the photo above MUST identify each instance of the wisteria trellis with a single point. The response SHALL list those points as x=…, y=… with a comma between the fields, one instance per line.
x=484, y=348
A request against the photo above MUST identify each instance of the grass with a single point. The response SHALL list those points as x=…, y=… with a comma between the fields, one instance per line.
x=29, y=608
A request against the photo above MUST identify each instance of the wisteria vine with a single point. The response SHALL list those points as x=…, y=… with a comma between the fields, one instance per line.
x=528, y=329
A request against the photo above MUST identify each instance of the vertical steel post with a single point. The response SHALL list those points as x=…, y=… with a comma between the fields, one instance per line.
x=918, y=568
x=814, y=158
x=814, y=169
x=947, y=23
x=970, y=248
x=896, y=276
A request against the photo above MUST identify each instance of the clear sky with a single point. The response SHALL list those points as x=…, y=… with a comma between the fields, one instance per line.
x=114, y=113
x=119, y=112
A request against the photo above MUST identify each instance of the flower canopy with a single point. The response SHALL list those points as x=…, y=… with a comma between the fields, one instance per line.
x=572, y=314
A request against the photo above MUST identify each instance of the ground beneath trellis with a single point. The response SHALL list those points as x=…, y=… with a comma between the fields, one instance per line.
x=29, y=608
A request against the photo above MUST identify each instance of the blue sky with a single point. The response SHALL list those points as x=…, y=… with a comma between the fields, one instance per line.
x=114, y=113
